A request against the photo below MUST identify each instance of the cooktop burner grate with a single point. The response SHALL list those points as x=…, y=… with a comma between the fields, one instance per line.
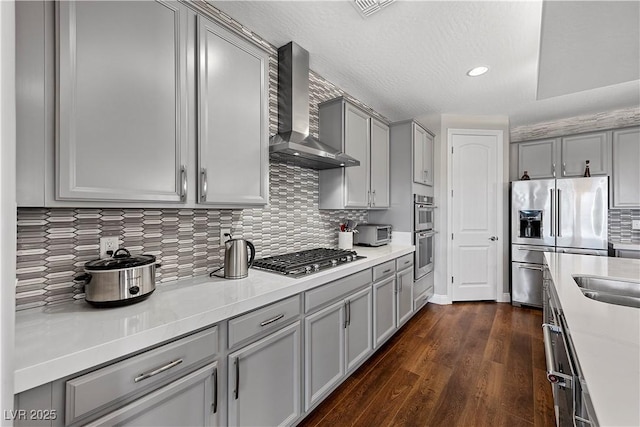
x=298, y=264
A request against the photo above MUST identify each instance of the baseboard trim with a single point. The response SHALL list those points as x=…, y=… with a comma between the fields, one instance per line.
x=440, y=299
x=506, y=297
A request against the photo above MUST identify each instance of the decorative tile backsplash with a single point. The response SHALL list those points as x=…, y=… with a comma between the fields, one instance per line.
x=54, y=244
x=620, y=225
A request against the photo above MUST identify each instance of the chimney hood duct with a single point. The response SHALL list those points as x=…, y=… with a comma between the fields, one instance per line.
x=293, y=144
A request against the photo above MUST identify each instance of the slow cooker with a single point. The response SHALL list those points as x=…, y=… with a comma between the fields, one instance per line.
x=121, y=279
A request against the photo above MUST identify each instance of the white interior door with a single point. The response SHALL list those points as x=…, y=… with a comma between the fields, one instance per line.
x=475, y=208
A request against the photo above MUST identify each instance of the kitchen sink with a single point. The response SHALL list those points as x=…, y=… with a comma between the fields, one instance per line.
x=611, y=291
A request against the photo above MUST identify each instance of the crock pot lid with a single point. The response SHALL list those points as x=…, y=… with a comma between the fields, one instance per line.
x=120, y=262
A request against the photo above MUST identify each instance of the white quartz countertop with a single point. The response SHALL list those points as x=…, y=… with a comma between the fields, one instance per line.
x=606, y=337
x=626, y=246
x=58, y=341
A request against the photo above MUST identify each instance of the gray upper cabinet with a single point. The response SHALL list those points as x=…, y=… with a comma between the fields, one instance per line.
x=122, y=102
x=626, y=168
x=232, y=118
x=565, y=157
x=264, y=380
x=538, y=158
x=379, y=164
x=576, y=150
x=347, y=128
x=422, y=155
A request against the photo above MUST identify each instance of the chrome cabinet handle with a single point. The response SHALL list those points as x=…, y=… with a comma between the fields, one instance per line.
x=564, y=169
x=374, y=197
x=554, y=170
x=215, y=390
x=553, y=375
x=387, y=271
x=161, y=369
x=559, y=210
x=236, y=391
x=349, y=312
x=183, y=181
x=553, y=213
x=203, y=184
x=346, y=322
x=275, y=319
x=493, y=238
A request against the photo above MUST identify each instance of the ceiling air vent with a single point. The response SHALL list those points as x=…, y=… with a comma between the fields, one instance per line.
x=369, y=7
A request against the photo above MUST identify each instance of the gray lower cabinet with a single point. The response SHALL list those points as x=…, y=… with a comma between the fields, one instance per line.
x=404, y=295
x=626, y=168
x=122, y=101
x=233, y=81
x=337, y=339
x=190, y=401
x=264, y=380
x=384, y=310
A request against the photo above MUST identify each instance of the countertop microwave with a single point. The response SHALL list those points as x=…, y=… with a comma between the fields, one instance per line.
x=372, y=235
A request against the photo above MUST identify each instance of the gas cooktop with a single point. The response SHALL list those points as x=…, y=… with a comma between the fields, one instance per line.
x=298, y=264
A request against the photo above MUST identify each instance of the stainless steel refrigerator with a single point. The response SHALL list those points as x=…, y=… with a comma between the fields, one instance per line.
x=553, y=215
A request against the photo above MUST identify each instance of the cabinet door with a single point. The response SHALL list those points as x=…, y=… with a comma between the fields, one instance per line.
x=419, y=136
x=122, y=101
x=538, y=158
x=359, y=328
x=384, y=310
x=576, y=150
x=264, y=380
x=404, y=295
x=324, y=351
x=232, y=117
x=428, y=159
x=356, y=144
x=626, y=170
x=379, y=164
x=190, y=401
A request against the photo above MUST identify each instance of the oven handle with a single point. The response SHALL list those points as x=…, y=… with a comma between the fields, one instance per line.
x=426, y=233
x=554, y=377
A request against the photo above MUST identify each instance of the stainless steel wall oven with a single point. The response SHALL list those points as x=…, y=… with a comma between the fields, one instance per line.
x=423, y=235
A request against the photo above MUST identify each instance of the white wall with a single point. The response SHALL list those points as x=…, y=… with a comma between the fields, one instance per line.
x=7, y=203
x=449, y=121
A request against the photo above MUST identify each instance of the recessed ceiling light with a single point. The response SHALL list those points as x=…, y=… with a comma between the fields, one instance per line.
x=478, y=71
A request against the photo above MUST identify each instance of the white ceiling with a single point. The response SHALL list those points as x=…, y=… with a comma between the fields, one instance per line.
x=410, y=60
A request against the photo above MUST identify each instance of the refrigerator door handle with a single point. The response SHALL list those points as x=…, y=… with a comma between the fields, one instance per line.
x=558, y=210
x=553, y=213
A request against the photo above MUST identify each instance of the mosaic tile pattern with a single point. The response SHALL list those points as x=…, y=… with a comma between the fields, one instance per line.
x=573, y=125
x=620, y=225
x=54, y=244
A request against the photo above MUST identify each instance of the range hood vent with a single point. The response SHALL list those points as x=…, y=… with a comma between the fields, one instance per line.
x=293, y=144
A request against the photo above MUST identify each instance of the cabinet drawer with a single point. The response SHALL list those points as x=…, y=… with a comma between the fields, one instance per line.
x=263, y=319
x=336, y=289
x=384, y=270
x=404, y=261
x=422, y=284
x=98, y=389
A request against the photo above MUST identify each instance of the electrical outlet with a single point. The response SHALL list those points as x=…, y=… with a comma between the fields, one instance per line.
x=109, y=243
x=635, y=224
x=224, y=238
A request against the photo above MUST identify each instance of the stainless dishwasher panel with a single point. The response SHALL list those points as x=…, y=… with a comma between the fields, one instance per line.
x=529, y=254
x=526, y=284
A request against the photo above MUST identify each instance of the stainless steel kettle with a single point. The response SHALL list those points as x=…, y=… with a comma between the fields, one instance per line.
x=237, y=259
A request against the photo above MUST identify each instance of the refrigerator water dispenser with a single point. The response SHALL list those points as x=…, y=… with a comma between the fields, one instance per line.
x=531, y=224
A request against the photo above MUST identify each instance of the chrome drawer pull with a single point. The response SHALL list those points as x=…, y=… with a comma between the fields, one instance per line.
x=529, y=267
x=275, y=319
x=157, y=371
x=386, y=271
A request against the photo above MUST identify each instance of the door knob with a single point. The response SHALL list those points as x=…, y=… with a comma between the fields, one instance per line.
x=493, y=238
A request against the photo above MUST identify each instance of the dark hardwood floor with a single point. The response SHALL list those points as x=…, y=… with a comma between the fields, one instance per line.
x=466, y=364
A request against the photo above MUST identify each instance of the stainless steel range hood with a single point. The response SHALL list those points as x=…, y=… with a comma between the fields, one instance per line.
x=293, y=144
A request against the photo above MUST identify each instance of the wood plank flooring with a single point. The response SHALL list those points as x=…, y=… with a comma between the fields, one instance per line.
x=466, y=364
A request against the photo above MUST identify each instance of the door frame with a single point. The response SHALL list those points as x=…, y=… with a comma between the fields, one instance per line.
x=500, y=192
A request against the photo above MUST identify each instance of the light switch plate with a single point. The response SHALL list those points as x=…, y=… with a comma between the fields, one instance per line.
x=635, y=224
